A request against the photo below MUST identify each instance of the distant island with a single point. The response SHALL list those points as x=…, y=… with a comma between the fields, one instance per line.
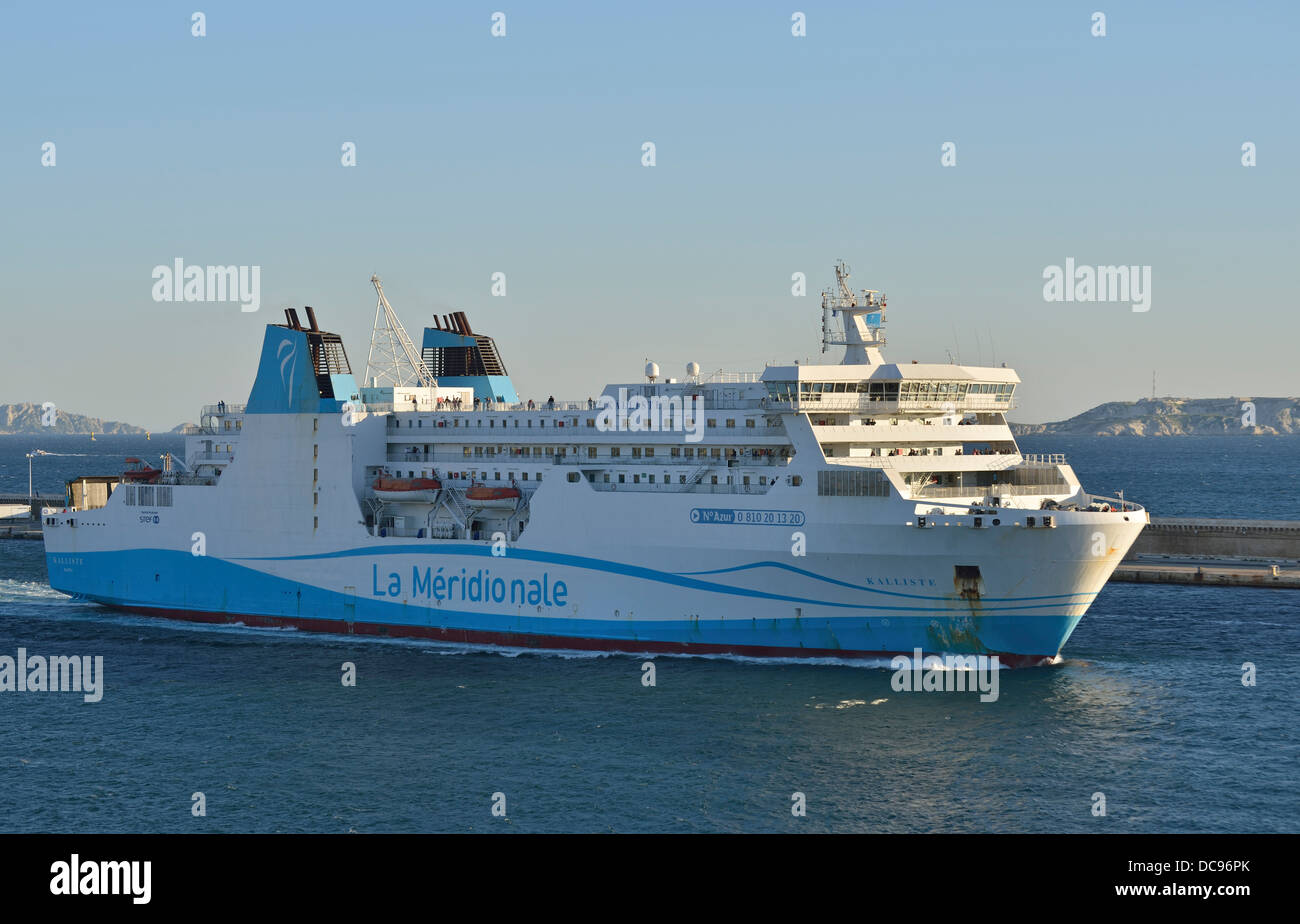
x=28, y=417
x=1178, y=417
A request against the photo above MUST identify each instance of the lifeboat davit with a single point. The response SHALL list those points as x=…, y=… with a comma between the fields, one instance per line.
x=480, y=495
x=140, y=472
x=407, y=489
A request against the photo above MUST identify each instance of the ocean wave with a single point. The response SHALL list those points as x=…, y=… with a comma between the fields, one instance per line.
x=13, y=591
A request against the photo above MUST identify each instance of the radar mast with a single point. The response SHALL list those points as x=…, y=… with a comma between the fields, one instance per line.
x=863, y=313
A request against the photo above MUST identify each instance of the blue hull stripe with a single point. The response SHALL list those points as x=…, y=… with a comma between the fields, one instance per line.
x=681, y=580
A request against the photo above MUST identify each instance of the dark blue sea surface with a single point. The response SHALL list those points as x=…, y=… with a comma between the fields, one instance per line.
x=1250, y=477
x=1147, y=708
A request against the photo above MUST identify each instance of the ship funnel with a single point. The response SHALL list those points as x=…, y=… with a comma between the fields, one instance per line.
x=311, y=318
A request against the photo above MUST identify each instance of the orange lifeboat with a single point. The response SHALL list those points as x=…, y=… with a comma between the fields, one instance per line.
x=140, y=472
x=480, y=495
x=406, y=489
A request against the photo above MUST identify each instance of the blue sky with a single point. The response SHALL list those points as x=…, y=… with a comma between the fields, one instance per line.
x=775, y=154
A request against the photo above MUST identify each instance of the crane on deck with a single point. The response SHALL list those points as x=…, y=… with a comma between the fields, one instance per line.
x=393, y=359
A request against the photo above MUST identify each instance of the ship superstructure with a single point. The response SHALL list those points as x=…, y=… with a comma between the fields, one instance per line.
x=856, y=509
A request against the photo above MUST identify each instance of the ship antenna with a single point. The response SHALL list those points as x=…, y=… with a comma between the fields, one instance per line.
x=393, y=359
x=863, y=317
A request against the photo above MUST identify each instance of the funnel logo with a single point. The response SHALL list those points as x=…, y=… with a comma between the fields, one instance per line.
x=287, y=352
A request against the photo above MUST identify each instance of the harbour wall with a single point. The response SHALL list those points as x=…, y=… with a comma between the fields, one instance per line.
x=1185, y=537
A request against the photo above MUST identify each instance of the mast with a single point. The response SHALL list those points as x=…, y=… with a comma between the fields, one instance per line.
x=863, y=312
x=393, y=359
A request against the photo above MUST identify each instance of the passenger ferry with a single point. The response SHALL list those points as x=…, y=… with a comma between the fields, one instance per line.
x=859, y=509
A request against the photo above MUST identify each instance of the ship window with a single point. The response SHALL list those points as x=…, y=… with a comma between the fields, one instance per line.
x=715, y=479
x=716, y=452
x=762, y=480
x=652, y=479
x=636, y=452
x=749, y=423
x=620, y=479
x=591, y=452
x=591, y=422
x=731, y=422
x=496, y=476
x=675, y=452
x=649, y=452
x=681, y=479
x=607, y=478
x=745, y=480
x=539, y=476
x=636, y=479
x=867, y=482
x=573, y=476
x=690, y=453
x=614, y=451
